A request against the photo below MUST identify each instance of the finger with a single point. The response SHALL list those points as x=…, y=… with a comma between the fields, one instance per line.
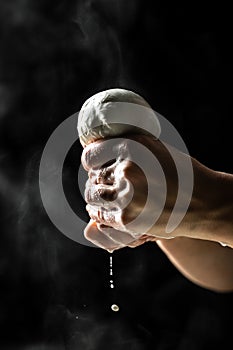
x=102, y=176
x=109, y=217
x=99, y=153
x=115, y=218
x=118, y=236
x=104, y=153
x=121, y=193
x=99, y=194
x=94, y=235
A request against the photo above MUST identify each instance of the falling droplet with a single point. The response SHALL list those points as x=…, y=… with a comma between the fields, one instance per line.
x=115, y=307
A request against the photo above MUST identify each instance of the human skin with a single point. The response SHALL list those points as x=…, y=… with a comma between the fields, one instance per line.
x=193, y=246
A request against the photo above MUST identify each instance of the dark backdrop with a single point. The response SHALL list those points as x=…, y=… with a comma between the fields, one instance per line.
x=53, y=55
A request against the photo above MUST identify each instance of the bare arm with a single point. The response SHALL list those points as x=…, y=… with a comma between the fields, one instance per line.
x=195, y=250
x=210, y=216
x=205, y=263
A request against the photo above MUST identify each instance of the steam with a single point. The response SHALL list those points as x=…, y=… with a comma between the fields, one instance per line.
x=34, y=78
x=98, y=21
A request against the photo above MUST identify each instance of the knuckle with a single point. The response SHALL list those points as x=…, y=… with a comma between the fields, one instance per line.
x=88, y=192
x=123, y=149
x=87, y=195
x=85, y=158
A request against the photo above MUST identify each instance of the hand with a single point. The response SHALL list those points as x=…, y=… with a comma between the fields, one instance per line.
x=195, y=250
x=111, y=186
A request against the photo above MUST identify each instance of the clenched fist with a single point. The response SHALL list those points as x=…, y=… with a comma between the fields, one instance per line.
x=131, y=190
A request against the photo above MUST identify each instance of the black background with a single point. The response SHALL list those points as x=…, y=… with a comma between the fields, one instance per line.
x=54, y=55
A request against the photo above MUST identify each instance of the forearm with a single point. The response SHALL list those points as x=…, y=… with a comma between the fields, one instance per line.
x=205, y=263
x=223, y=215
x=210, y=216
x=196, y=251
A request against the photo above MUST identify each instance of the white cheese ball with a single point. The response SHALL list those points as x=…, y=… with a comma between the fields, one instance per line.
x=116, y=112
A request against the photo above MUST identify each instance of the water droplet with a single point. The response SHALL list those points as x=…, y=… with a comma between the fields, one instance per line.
x=115, y=307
